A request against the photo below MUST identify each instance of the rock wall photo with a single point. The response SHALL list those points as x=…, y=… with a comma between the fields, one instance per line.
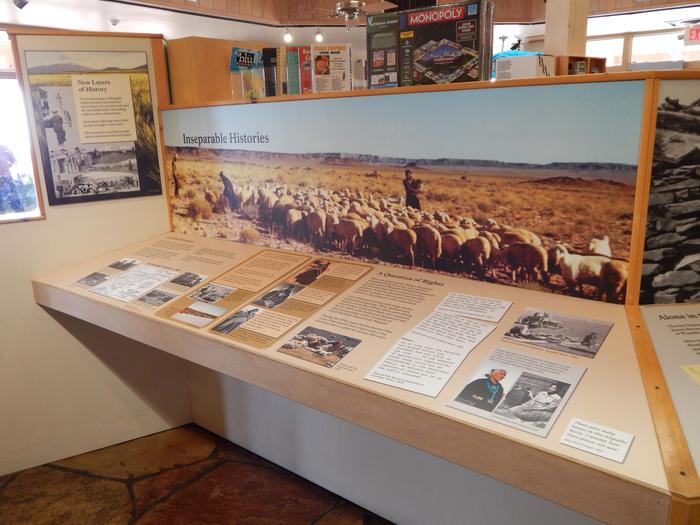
x=671, y=269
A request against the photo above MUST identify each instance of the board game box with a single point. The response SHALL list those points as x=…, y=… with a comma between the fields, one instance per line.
x=441, y=45
x=382, y=50
x=435, y=45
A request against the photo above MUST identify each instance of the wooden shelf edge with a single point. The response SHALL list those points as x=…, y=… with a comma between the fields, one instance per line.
x=680, y=470
x=523, y=82
x=598, y=494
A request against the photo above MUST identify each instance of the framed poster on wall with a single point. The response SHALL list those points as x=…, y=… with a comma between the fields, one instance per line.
x=94, y=122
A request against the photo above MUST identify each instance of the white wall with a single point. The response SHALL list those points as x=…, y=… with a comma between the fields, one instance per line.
x=67, y=387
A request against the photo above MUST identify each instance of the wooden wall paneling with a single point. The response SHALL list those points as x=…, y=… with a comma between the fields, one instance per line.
x=269, y=9
x=601, y=7
x=245, y=7
x=641, y=194
x=233, y=7
x=537, y=10
x=219, y=6
x=206, y=5
x=257, y=9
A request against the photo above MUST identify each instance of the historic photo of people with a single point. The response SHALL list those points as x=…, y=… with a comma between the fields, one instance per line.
x=555, y=331
x=319, y=346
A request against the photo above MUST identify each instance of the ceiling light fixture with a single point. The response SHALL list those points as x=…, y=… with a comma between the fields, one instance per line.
x=287, y=37
x=20, y=3
x=318, y=36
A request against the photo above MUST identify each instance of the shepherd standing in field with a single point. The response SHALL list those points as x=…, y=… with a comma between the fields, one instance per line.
x=412, y=187
x=176, y=176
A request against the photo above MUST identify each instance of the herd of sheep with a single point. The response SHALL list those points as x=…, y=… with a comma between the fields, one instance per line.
x=387, y=229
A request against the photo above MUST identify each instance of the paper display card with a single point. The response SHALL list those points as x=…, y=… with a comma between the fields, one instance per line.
x=564, y=333
x=483, y=308
x=425, y=358
x=602, y=441
x=134, y=282
x=332, y=68
x=519, y=390
x=319, y=346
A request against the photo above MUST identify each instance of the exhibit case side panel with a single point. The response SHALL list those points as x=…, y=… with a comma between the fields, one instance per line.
x=286, y=175
x=678, y=461
x=671, y=264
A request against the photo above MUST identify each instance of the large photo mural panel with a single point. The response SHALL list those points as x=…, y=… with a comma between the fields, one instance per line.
x=526, y=186
x=671, y=269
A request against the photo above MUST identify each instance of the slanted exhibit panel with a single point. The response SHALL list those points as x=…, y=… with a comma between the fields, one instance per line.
x=456, y=268
x=392, y=339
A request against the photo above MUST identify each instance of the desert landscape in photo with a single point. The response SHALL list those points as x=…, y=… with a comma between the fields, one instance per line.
x=476, y=211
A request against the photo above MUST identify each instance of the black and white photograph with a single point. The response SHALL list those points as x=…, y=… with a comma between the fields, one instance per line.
x=124, y=264
x=312, y=272
x=533, y=399
x=93, y=279
x=319, y=346
x=518, y=390
x=484, y=392
x=564, y=333
x=211, y=293
x=672, y=246
x=277, y=295
x=156, y=297
x=199, y=314
x=189, y=279
x=236, y=320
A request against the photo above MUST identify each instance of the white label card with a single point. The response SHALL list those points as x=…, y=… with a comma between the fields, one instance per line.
x=483, y=308
x=599, y=440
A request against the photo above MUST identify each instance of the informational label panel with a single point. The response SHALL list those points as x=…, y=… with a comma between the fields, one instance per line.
x=232, y=289
x=105, y=109
x=675, y=332
x=402, y=334
x=602, y=441
x=425, y=358
x=94, y=122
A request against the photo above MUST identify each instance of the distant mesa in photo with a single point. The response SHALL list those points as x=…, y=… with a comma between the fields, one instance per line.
x=77, y=68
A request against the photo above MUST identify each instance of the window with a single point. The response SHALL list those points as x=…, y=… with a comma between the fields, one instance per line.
x=18, y=193
x=609, y=48
x=662, y=47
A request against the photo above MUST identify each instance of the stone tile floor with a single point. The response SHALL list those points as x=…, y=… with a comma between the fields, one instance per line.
x=182, y=476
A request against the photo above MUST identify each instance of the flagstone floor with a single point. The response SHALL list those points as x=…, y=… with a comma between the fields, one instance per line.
x=182, y=476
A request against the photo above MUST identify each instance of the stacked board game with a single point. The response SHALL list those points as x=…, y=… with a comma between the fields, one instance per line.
x=436, y=45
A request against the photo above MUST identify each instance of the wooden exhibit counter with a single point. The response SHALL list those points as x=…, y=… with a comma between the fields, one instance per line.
x=160, y=292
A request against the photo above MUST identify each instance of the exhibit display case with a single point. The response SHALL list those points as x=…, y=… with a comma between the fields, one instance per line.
x=459, y=268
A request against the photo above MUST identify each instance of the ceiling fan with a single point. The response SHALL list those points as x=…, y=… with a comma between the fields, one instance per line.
x=352, y=11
